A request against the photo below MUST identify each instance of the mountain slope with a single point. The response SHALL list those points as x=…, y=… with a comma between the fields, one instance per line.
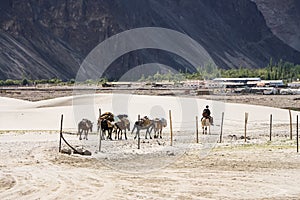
x=48, y=39
x=283, y=18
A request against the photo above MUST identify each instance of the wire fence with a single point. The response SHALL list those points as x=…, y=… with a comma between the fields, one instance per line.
x=225, y=130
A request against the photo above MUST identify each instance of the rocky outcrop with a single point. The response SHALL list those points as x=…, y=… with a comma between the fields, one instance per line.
x=283, y=18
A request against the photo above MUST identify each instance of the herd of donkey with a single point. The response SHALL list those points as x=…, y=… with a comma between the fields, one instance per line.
x=109, y=124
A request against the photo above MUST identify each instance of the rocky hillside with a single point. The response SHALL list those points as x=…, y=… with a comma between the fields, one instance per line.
x=283, y=18
x=45, y=39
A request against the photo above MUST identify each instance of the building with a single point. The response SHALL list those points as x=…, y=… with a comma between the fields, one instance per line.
x=236, y=80
x=294, y=84
x=266, y=83
x=233, y=82
x=193, y=83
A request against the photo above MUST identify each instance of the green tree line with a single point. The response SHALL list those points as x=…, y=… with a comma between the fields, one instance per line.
x=25, y=81
x=285, y=71
x=273, y=71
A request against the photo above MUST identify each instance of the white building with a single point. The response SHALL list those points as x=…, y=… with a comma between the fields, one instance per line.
x=294, y=84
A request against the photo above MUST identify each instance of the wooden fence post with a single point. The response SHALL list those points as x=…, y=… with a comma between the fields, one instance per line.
x=171, y=129
x=291, y=126
x=271, y=127
x=139, y=138
x=222, y=121
x=246, y=120
x=100, y=131
x=60, y=132
x=197, y=130
x=297, y=133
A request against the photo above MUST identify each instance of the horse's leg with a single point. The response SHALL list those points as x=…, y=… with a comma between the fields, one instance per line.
x=160, y=134
x=117, y=136
x=125, y=134
x=137, y=130
x=110, y=134
x=120, y=134
x=116, y=133
x=137, y=133
x=102, y=135
x=146, y=133
x=203, y=126
x=155, y=135
x=105, y=134
x=149, y=132
x=159, y=127
x=80, y=132
x=80, y=138
x=134, y=127
x=156, y=132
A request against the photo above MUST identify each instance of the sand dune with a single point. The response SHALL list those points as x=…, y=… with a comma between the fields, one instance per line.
x=32, y=168
x=45, y=115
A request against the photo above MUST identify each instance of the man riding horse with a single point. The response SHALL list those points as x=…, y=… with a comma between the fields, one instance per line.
x=206, y=114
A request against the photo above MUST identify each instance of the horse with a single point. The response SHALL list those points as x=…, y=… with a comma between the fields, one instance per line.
x=86, y=126
x=107, y=126
x=143, y=124
x=123, y=124
x=159, y=124
x=105, y=121
x=205, y=122
x=107, y=116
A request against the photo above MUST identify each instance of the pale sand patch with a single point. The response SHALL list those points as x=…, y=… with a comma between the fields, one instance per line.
x=32, y=168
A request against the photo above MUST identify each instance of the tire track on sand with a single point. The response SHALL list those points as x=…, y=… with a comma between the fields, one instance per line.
x=54, y=182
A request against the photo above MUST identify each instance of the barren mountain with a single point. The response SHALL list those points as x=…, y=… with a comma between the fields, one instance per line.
x=283, y=17
x=45, y=39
